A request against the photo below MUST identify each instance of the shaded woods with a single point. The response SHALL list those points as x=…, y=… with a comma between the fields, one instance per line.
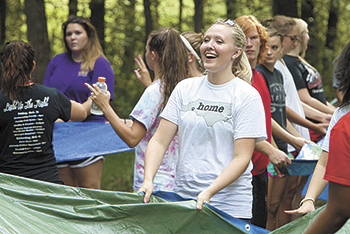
x=123, y=27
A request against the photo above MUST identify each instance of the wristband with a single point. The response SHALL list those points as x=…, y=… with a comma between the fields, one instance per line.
x=307, y=199
x=125, y=121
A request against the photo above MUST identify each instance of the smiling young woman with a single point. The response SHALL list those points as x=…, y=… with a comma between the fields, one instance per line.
x=218, y=173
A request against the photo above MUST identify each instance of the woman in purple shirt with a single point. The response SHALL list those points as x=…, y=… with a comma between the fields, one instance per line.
x=83, y=62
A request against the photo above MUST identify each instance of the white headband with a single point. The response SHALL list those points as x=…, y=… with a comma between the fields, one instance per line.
x=190, y=48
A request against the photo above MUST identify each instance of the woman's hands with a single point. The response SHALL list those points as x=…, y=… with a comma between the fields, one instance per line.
x=305, y=208
x=202, y=197
x=142, y=72
x=147, y=188
x=100, y=98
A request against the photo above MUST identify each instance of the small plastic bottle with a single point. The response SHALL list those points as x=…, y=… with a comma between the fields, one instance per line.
x=101, y=83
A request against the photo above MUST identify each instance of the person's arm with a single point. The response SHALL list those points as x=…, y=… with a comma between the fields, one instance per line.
x=276, y=156
x=144, y=77
x=278, y=131
x=292, y=130
x=297, y=119
x=130, y=135
x=314, y=114
x=155, y=151
x=242, y=152
x=305, y=97
x=78, y=111
x=317, y=185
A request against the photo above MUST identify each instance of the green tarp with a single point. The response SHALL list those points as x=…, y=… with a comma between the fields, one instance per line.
x=30, y=206
x=299, y=225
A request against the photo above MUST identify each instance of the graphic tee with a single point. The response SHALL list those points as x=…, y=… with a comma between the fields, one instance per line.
x=274, y=81
x=26, y=127
x=210, y=118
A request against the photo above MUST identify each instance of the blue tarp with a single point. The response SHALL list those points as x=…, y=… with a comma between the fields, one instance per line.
x=305, y=162
x=78, y=140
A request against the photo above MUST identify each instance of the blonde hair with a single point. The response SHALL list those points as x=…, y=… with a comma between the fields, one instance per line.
x=301, y=26
x=241, y=66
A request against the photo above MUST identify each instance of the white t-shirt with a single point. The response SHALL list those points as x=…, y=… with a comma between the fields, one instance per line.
x=210, y=118
x=292, y=100
x=338, y=113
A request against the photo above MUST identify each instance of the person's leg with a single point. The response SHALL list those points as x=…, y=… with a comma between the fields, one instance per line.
x=259, y=209
x=275, y=192
x=336, y=212
x=89, y=176
x=298, y=194
x=67, y=176
x=286, y=201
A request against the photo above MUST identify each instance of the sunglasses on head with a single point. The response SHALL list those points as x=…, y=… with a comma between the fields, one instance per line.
x=292, y=38
x=230, y=22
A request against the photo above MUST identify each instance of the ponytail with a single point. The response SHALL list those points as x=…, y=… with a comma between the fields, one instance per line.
x=173, y=61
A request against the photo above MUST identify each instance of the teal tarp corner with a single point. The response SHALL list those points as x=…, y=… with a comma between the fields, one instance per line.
x=31, y=206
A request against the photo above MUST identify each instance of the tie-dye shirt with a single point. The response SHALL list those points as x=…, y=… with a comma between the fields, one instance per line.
x=147, y=112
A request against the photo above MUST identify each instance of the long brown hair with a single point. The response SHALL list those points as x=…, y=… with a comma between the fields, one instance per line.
x=93, y=49
x=17, y=62
x=172, y=59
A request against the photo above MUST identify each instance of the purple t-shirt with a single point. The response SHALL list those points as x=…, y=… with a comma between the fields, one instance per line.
x=64, y=74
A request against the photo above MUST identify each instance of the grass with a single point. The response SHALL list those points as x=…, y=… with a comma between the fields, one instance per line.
x=118, y=172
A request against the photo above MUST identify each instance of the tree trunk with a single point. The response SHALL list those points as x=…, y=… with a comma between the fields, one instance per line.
x=97, y=19
x=148, y=17
x=285, y=7
x=73, y=7
x=180, y=15
x=2, y=22
x=313, y=54
x=129, y=40
x=331, y=37
x=37, y=36
x=198, y=15
x=231, y=9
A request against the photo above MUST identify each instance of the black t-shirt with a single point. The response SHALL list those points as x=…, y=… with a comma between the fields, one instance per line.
x=274, y=82
x=26, y=128
x=305, y=77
